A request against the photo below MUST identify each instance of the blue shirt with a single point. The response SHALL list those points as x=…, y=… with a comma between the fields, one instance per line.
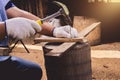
x=3, y=17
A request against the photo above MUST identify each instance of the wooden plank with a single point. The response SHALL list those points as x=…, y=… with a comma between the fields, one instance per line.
x=81, y=35
x=41, y=8
x=82, y=22
x=53, y=39
x=4, y=51
x=88, y=29
x=57, y=51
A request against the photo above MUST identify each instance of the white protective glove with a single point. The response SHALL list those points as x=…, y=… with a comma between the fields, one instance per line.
x=65, y=31
x=54, y=22
x=21, y=28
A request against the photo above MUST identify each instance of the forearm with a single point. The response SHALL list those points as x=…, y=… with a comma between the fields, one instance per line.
x=2, y=30
x=47, y=29
x=16, y=12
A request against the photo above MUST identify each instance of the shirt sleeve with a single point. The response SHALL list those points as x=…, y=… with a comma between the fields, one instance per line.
x=9, y=5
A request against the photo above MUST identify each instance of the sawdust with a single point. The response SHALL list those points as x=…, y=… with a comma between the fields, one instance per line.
x=106, y=68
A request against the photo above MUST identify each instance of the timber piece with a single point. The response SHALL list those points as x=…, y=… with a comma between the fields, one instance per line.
x=73, y=64
x=83, y=33
x=33, y=6
x=40, y=8
x=87, y=30
x=4, y=51
x=82, y=22
x=52, y=39
x=57, y=51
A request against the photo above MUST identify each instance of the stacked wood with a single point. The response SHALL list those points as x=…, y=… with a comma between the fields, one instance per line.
x=33, y=6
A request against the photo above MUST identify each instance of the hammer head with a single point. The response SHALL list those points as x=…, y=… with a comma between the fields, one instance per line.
x=64, y=11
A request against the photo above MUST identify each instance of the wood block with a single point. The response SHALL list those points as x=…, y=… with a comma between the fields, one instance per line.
x=73, y=64
x=82, y=22
x=58, y=50
x=4, y=51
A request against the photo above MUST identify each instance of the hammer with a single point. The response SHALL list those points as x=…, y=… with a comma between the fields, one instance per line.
x=62, y=11
x=65, y=12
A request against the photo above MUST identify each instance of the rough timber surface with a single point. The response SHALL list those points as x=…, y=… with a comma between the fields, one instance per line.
x=74, y=63
x=82, y=22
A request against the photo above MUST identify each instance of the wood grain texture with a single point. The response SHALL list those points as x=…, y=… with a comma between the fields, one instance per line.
x=58, y=50
x=87, y=30
x=82, y=22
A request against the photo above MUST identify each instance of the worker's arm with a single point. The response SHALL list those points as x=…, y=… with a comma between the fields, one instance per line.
x=19, y=28
x=16, y=12
x=47, y=29
x=2, y=30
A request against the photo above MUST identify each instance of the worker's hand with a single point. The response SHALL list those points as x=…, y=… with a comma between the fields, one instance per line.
x=65, y=31
x=21, y=28
x=55, y=22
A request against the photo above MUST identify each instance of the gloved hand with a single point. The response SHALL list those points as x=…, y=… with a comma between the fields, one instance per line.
x=55, y=22
x=21, y=28
x=65, y=31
